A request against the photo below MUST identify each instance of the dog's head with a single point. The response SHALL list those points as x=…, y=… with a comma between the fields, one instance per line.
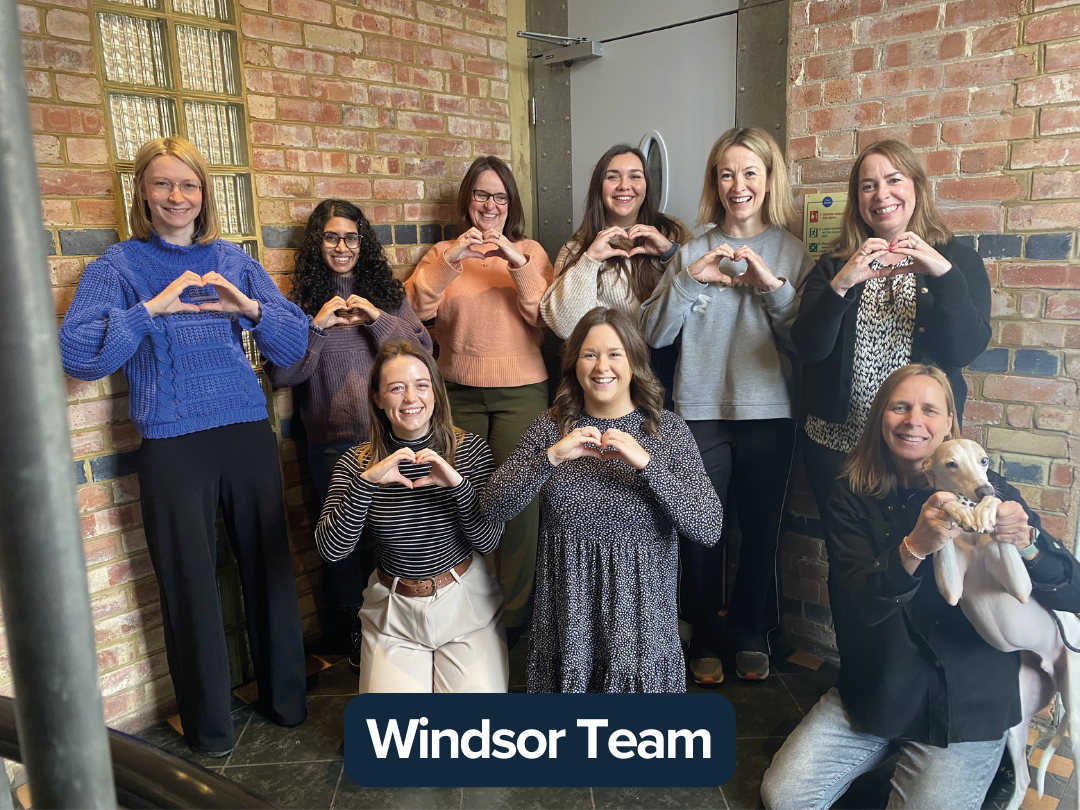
x=959, y=466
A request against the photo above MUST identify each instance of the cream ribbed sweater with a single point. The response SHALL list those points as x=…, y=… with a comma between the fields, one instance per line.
x=581, y=287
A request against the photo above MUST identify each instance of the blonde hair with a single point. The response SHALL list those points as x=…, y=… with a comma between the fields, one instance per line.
x=869, y=468
x=925, y=221
x=779, y=206
x=207, y=223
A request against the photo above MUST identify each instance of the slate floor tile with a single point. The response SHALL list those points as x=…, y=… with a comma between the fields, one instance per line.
x=294, y=784
x=519, y=798
x=706, y=798
x=320, y=737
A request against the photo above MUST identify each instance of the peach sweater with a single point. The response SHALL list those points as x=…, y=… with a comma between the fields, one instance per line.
x=487, y=315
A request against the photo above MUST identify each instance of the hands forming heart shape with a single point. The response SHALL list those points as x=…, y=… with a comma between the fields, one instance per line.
x=613, y=444
x=352, y=312
x=757, y=274
x=387, y=471
x=467, y=246
x=637, y=239
x=229, y=298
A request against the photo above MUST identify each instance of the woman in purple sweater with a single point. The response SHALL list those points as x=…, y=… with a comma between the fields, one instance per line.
x=167, y=306
x=344, y=284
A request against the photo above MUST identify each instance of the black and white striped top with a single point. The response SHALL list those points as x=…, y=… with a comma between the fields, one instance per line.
x=417, y=532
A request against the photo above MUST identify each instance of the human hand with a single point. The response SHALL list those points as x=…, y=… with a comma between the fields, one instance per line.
x=857, y=269
x=654, y=244
x=926, y=258
x=934, y=528
x=386, y=471
x=168, y=300
x=707, y=268
x=617, y=444
x=464, y=247
x=230, y=299
x=328, y=317
x=582, y=441
x=504, y=248
x=757, y=275
x=442, y=474
x=359, y=310
x=601, y=249
x=1012, y=525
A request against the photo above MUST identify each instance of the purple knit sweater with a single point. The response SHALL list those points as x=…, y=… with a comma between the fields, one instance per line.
x=334, y=370
x=186, y=371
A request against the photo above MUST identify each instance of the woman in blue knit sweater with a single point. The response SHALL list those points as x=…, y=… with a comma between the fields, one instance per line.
x=167, y=307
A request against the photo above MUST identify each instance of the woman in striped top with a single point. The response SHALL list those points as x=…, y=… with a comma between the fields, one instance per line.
x=432, y=614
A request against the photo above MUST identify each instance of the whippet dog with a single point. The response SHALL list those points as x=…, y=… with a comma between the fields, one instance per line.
x=992, y=586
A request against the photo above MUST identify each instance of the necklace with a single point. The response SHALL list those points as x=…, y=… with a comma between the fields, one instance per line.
x=907, y=261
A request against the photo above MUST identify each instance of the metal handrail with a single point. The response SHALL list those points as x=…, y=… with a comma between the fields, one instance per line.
x=146, y=776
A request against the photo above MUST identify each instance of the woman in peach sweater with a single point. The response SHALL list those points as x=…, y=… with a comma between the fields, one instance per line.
x=484, y=290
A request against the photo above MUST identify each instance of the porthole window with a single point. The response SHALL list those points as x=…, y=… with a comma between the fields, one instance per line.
x=656, y=160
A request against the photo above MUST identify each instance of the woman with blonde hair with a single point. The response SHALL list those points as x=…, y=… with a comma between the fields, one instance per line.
x=483, y=289
x=894, y=288
x=619, y=481
x=432, y=611
x=167, y=307
x=916, y=679
x=730, y=295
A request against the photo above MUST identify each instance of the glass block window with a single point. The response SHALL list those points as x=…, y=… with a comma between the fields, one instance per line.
x=172, y=67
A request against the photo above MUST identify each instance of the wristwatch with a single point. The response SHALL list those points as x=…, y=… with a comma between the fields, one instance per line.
x=1032, y=550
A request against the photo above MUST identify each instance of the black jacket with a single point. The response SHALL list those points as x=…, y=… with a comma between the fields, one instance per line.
x=952, y=328
x=912, y=666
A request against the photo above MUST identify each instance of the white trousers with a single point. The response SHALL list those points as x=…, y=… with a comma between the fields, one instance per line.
x=452, y=641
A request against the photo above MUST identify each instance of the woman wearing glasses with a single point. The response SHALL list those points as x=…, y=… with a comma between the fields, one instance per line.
x=484, y=290
x=167, y=306
x=342, y=280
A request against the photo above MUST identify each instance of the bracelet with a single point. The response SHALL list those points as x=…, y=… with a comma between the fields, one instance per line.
x=907, y=548
x=671, y=251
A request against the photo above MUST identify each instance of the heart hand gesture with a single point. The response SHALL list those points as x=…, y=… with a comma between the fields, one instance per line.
x=617, y=444
x=386, y=471
x=504, y=248
x=757, y=274
x=654, y=243
x=601, y=249
x=582, y=441
x=707, y=269
x=442, y=474
x=464, y=247
x=230, y=299
x=328, y=317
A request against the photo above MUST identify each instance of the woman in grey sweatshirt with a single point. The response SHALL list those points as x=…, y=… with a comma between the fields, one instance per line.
x=731, y=296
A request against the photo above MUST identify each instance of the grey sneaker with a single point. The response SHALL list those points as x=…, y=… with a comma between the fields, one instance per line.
x=752, y=666
x=707, y=671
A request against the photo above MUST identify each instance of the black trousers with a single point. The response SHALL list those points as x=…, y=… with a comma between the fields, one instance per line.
x=183, y=481
x=823, y=467
x=748, y=461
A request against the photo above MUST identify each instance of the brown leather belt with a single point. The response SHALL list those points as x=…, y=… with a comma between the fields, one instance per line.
x=425, y=586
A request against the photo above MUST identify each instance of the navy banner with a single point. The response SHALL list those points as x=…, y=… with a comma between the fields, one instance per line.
x=463, y=740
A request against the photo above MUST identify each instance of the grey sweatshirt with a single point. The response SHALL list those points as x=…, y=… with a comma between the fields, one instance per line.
x=736, y=360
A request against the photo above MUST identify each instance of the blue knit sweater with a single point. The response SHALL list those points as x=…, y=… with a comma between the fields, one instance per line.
x=186, y=371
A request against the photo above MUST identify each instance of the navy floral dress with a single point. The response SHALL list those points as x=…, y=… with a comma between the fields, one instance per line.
x=605, y=618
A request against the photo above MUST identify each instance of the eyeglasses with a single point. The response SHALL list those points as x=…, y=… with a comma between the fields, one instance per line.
x=484, y=196
x=163, y=188
x=332, y=240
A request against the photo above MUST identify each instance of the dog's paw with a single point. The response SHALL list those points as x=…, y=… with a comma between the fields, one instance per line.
x=985, y=514
x=962, y=515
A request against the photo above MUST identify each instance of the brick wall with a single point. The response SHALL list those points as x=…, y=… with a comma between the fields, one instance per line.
x=384, y=102
x=986, y=92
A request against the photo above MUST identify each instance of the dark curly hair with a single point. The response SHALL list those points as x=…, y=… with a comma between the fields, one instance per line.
x=313, y=280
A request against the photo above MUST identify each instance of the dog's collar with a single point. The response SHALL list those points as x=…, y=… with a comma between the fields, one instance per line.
x=960, y=499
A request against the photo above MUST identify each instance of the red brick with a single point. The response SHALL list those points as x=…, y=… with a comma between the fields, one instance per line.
x=108, y=521
x=839, y=35
x=28, y=20
x=831, y=146
x=280, y=134
x=366, y=69
x=1055, y=525
x=825, y=171
x=439, y=15
x=301, y=160
x=400, y=8
x=420, y=122
x=333, y=39
x=301, y=60
x=915, y=136
x=993, y=99
x=803, y=41
x=419, y=167
x=939, y=162
x=839, y=91
x=326, y=138
x=75, y=182
x=951, y=46
x=367, y=117
x=1062, y=56
x=91, y=497
x=977, y=189
x=1035, y=334
x=892, y=26
x=1044, y=216
x=273, y=185
x=38, y=84
x=62, y=298
x=461, y=41
x=799, y=148
x=383, y=213
x=306, y=10
x=501, y=150
x=58, y=118
x=837, y=64
x=437, y=102
x=832, y=119
x=66, y=24
x=1055, y=185
x=1029, y=389
x=58, y=56
x=992, y=70
x=483, y=108
x=313, y=111
x=416, y=32
x=448, y=147
x=271, y=29
x=1054, y=89
x=47, y=149
x=124, y=436
x=101, y=550
x=64, y=271
x=125, y=490
x=257, y=53
x=1046, y=153
x=97, y=212
x=895, y=55
x=419, y=77
x=274, y=82
x=399, y=189
x=471, y=128
x=988, y=128
x=803, y=96
x=1059, y=120
x=485, y=67
x=392, y=49
x=1056, y=25
x=1016, y=415
x=425, y=212
x=83, y=444
x=439, y=58
x=96, y=413
x=1061, y=475
x=973, y=219
x=337, y=90
x=1063, y=306
x=362, y=21
x=862, y=60
x=1055, y=417
x=401, y=144
x=983, y=159
x=354, y=188
x=484, y=24
x=965, y=12
x=982, y=413
x=994, y=38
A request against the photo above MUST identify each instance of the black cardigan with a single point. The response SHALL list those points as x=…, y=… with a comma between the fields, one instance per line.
x=952, y=328
x=912, y=666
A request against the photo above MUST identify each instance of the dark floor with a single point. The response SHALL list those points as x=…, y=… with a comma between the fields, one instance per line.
x=304, y=766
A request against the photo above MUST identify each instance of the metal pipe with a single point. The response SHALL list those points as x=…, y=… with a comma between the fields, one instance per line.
x=42, y=569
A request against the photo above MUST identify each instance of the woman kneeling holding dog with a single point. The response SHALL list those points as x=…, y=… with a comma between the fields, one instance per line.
x=914, y=673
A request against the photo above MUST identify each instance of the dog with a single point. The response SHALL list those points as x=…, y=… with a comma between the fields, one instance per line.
x=990, y=582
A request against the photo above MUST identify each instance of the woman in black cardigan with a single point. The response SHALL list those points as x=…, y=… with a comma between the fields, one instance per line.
x=895, y=289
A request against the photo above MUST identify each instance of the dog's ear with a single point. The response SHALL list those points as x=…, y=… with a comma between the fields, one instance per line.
x=927, y=469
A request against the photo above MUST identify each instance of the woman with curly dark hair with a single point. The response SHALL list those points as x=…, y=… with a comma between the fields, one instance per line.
x=343, y=283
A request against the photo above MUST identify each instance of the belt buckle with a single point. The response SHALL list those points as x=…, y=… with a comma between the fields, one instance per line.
x=434, y=585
